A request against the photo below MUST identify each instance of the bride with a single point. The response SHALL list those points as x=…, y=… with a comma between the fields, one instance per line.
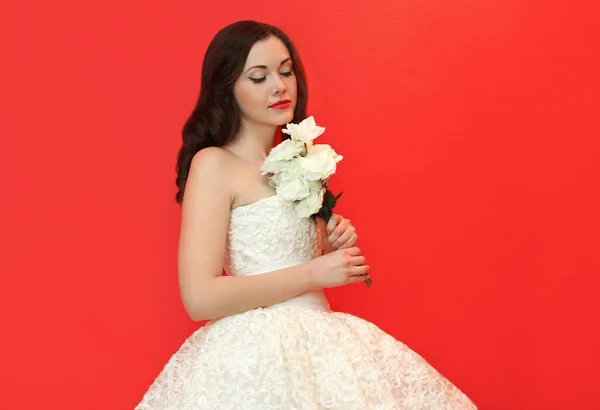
x=271, y=342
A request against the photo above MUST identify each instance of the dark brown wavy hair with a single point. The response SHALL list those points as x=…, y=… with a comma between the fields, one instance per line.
x=215, y=121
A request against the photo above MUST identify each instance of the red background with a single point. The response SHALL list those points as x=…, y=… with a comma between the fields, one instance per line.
x=470, y=135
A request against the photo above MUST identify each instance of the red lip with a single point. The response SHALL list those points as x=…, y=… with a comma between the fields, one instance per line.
x=280, y=104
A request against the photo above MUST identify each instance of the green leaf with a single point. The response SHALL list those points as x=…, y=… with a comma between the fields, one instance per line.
x=325, y=213
x=329, y=202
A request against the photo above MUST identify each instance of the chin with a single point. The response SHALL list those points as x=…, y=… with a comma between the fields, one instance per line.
x=287, y=118
x=281, y=119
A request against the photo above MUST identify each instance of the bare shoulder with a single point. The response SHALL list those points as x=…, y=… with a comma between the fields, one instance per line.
x=214, y=160
x=210, y=171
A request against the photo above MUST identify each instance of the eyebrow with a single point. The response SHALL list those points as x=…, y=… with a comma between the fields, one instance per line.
x=264, y=67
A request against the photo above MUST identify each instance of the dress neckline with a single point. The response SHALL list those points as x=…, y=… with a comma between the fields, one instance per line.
x=252, y=204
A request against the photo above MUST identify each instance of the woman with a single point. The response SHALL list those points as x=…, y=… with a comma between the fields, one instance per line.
x=272, y=342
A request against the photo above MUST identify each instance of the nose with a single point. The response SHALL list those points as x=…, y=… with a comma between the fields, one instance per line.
x=280, y=87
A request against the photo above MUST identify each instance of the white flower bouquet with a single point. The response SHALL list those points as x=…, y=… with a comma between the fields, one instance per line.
x=300, y=170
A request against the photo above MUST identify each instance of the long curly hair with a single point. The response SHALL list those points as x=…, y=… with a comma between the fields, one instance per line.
x=215, y=120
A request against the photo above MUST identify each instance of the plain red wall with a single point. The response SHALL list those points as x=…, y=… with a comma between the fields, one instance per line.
x=470, y=135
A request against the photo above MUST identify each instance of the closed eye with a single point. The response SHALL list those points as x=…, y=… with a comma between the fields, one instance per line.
x=258, y=80
x=262, y=79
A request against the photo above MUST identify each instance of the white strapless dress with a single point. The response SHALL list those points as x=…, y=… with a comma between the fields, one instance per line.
x=297, y=354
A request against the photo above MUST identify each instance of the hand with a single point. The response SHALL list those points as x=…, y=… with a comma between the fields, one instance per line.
x=342, y=234
x=338, y=268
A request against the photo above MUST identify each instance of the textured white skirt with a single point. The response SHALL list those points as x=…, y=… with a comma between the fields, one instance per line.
x=298, y=355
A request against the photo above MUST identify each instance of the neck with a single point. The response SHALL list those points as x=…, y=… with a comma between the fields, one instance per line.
x=254, y=142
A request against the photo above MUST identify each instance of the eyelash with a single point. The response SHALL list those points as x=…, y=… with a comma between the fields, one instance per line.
x=260, y=80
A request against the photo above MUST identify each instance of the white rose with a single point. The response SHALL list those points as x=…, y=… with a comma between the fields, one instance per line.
x=279, y=155
x=304, y=132
x=273, y=167
x=274, y=180
x=293, y=189
x=291, y=183
x=320, y=163
x=310, y=205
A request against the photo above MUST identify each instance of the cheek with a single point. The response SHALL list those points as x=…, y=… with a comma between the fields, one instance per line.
x=293, y=87
x=292, y=91
x=246, y=98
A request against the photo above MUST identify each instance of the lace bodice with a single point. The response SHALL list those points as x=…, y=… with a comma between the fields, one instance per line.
x=266, y=234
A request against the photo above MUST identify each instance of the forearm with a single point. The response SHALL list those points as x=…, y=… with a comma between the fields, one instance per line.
x=229, y=295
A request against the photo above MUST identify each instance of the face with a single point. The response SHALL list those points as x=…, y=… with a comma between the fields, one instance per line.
x=266, y=91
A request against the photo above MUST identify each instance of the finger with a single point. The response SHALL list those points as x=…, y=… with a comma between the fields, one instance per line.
x=361, y=270
x=339, y=230
x=333, y=221
x=351, y=242
x=358, y=279
x=345, y=237
x=357, y=261
x=354, y=251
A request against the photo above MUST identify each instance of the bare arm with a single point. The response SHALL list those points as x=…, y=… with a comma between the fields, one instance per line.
x=205, y=293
